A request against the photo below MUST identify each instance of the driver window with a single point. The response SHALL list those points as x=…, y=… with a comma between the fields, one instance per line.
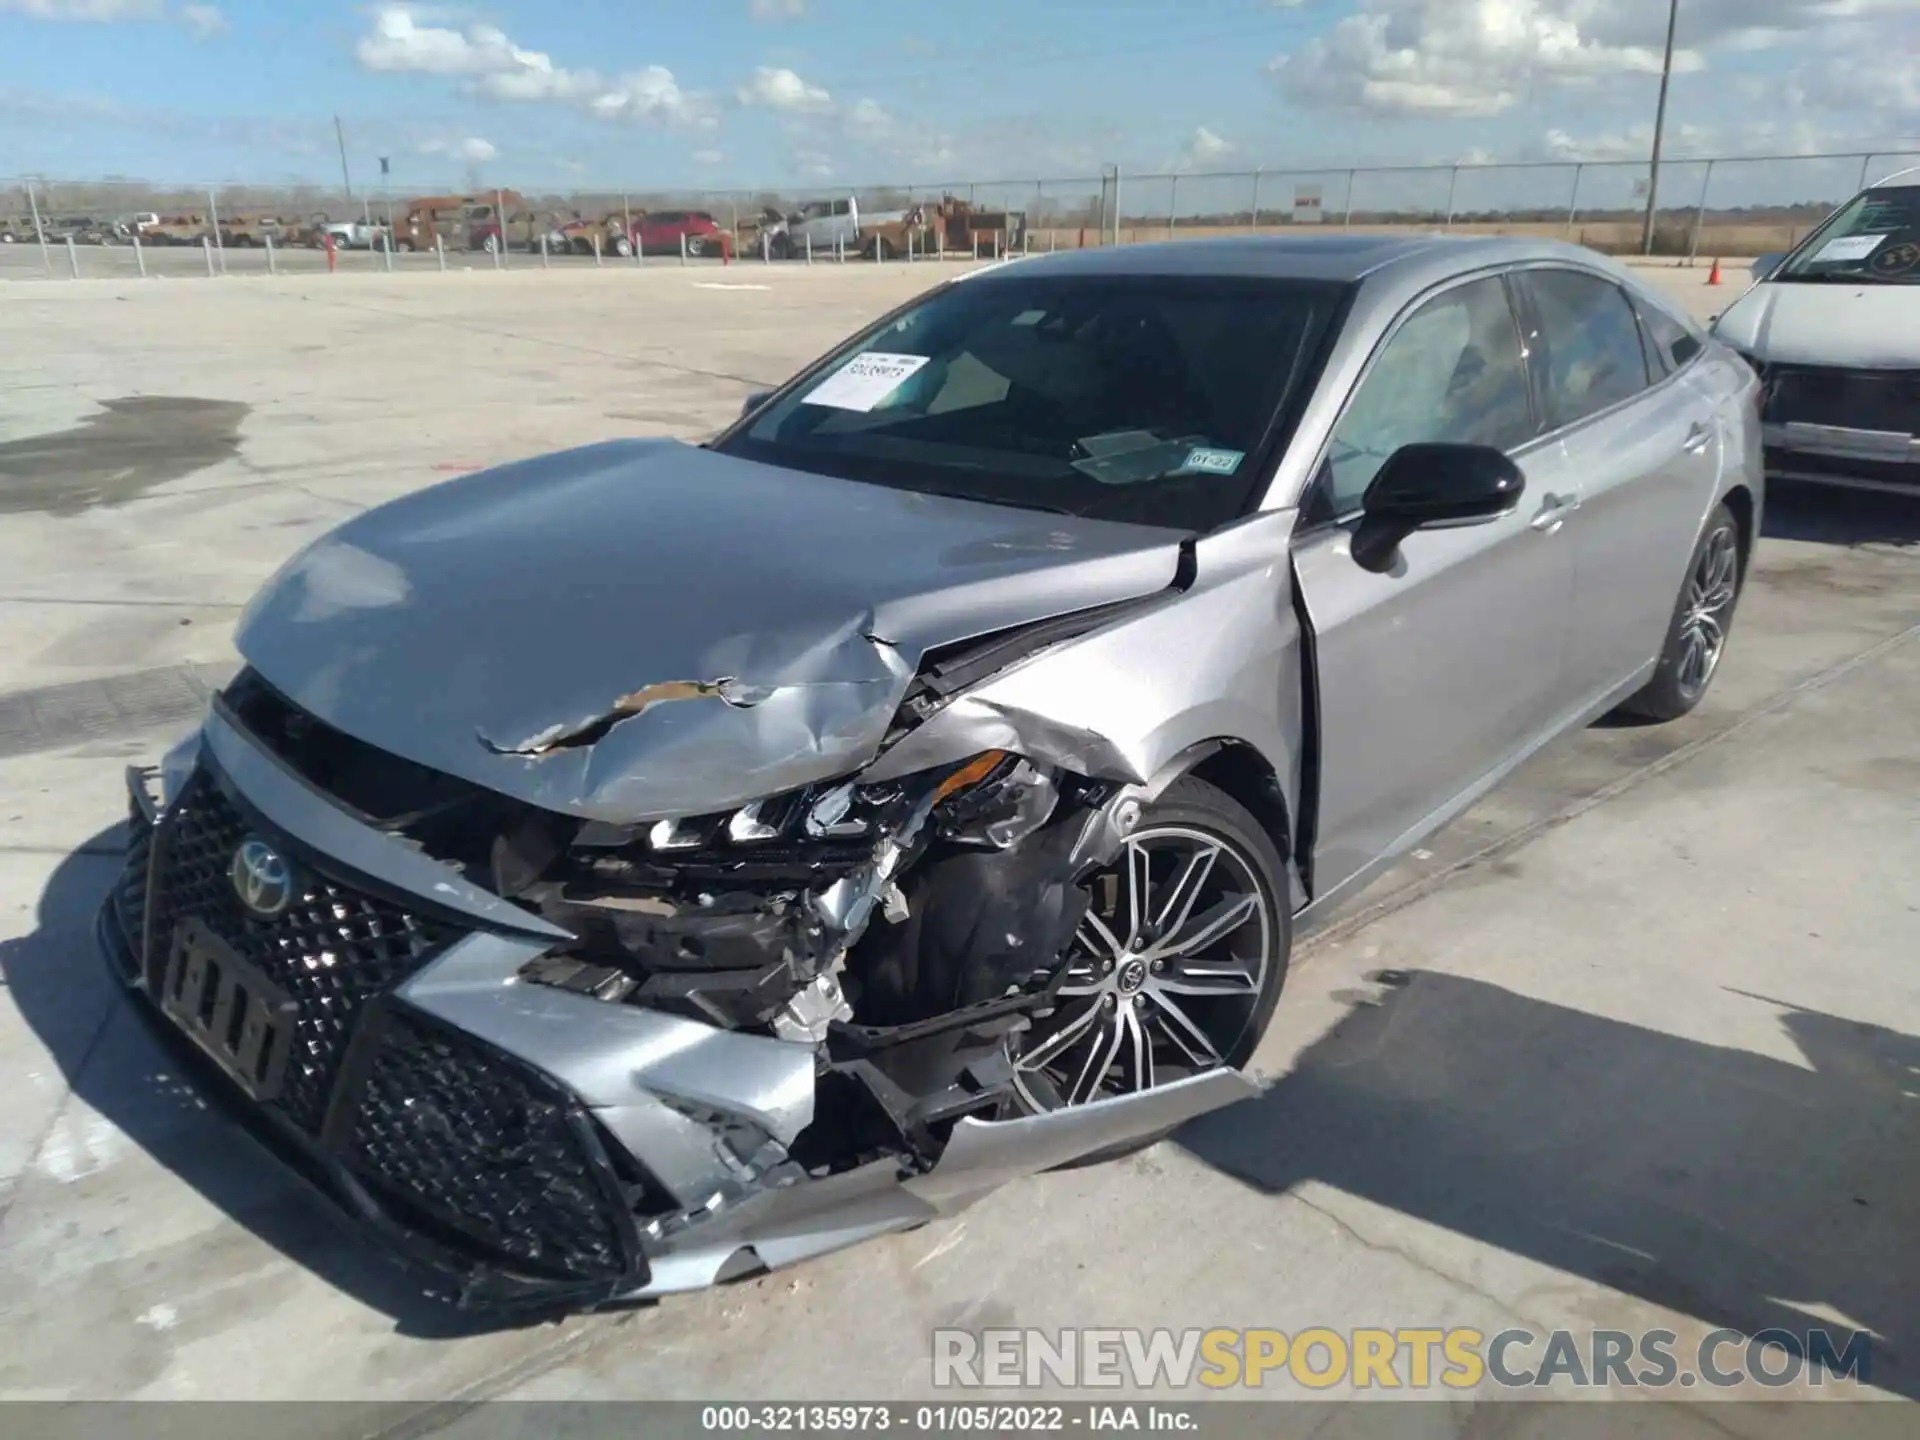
x=1452, y=372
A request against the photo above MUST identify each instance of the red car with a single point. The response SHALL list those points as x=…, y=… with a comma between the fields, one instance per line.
x=660, y=232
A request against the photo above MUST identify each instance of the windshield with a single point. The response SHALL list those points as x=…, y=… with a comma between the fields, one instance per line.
x=1151, y=399
x=1875, y=238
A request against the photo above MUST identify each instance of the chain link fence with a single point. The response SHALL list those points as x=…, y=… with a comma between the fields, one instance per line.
x=1719, y=206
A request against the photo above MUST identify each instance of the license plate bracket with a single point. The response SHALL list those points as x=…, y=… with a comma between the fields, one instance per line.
x=240, y=1018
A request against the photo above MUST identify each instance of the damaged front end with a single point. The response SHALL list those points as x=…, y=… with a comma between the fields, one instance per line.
x=561, y=1060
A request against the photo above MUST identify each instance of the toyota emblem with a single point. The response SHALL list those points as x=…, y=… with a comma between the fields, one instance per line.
x=262, y=878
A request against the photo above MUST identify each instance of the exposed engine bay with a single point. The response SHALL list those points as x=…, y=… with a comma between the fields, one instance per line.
x=904, y=928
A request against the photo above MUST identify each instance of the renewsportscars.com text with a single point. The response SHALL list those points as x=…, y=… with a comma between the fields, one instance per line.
x=1402, y=1358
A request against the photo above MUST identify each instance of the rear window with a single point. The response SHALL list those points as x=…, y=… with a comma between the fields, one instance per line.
x=1150, y=399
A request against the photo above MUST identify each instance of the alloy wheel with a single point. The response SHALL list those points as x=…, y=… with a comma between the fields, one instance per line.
x=1164, y=975
x=1710, y=593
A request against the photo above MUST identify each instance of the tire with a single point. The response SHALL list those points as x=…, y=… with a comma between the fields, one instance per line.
x=1111, y=974
x=880, y=249
x=1702, y=617
x=623, y=247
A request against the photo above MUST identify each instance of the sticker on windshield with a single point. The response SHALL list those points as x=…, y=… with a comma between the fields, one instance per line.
x=864, y=381
x=1208, y=461
x=1848, y=247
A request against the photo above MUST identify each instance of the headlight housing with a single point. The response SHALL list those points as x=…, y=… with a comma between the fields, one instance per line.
x=992, y=799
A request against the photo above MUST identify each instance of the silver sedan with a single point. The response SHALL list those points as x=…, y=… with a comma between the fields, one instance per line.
x=648, y=864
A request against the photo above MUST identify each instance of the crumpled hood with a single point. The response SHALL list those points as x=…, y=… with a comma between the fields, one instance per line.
x=643, y=629
x=1863, y=326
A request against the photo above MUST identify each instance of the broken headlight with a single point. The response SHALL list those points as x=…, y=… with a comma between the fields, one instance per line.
x=990, y=799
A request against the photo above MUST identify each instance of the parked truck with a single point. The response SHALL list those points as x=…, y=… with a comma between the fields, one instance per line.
x=840, y=225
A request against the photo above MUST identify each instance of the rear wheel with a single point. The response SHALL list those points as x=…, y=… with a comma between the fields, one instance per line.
x=623, y=247
x=880, y=249
x=1697, y=635
x=1176, y=968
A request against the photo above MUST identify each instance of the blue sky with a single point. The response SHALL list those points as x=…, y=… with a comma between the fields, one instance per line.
x=715, y=93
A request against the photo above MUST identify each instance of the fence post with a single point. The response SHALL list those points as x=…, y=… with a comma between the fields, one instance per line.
x=809, y=247
x=1256, y=200
x=1453, y=185
x=39, y=230
x=73, y=258
x=440, y=250
x=272, y=269
x=139, y=255
x=206, y=244
x=1173, y=203
x=386, y=250
x=633, y=241
x=766, y=248
x=1346, y=224
x=1699, y=217
x=596, y=249
x=543, y=250
x=1573, y=200
x=213, y=219
x=500, y=224
x=1116, y=204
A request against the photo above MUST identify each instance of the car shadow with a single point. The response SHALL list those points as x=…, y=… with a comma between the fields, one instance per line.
x=1745, y=1190
x=61, y=986
x=1829, y=516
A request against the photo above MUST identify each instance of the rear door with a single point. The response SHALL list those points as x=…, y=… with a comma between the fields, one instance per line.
x=1437, y=676
x=1647, y=449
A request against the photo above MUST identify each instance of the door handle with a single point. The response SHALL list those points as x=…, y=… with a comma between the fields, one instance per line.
x=1698, y=438
x=1555, y=510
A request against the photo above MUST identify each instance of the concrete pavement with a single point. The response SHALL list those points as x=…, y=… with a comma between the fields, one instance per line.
x=1631, y=1044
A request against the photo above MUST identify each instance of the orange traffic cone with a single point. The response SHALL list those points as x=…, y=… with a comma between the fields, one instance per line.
x=1714, y=278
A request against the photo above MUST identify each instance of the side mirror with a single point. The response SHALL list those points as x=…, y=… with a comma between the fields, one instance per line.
x=1431, y=487
x=754, y=402
x=1765, y=266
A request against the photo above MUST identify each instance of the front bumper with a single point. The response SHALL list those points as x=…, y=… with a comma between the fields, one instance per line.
x=1858, y=429
x=481, y=1174
x=518, y=1145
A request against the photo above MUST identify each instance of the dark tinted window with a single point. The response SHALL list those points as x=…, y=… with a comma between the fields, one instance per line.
x=1588, y=344
x=1452, y=372
x=1675, y=342
x=1145, y=398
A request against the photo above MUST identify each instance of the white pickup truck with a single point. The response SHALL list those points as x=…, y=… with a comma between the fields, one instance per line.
x=826, y=223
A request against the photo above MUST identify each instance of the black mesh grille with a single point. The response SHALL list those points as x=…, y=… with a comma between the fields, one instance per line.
x=482, y=1153
x=331, y=950
x=1853, y=399
x=130, y=891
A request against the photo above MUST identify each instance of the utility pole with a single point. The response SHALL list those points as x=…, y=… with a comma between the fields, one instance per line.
x=1659, y=130
x=340, y=136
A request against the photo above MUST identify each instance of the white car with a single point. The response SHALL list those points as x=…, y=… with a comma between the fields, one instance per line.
x=1833, y=328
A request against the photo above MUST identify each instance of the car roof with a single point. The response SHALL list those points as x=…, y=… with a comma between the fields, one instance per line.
x=1342, y=258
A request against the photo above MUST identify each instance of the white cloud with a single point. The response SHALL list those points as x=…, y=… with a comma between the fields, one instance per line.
x=709, y=157
x=869, y=120
x=205, y=21
x=813, y=164
x=1459, y=57
x=771, y=12
x=781, y=89
x=1203, y=147
x=472, y=150
x=490, y=64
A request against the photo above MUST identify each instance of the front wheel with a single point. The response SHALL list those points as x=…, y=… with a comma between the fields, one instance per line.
x=1176, y=968
x=1697, y=634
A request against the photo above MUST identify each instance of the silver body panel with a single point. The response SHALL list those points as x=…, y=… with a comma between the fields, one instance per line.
x=473, y=627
